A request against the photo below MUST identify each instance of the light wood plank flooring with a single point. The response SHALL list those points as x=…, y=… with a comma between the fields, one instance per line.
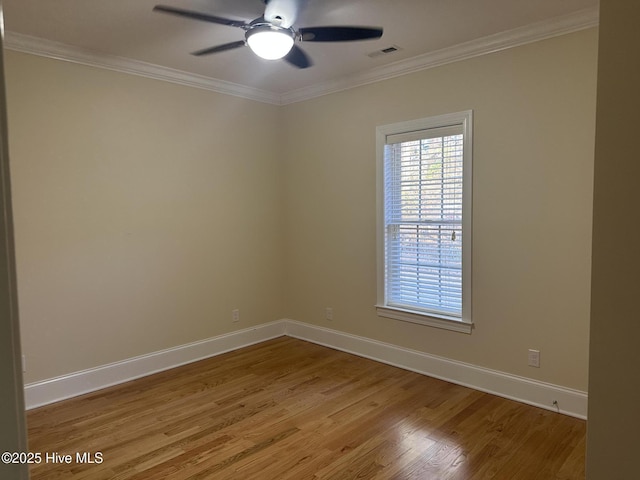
x=288, y=409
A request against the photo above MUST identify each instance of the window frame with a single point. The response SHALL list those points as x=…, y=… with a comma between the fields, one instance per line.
x=464, y=323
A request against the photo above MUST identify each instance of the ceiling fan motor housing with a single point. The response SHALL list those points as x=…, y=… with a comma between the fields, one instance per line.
x=282, y=13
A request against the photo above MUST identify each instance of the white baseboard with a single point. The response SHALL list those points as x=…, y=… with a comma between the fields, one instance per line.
x=60, y=388
x=540, y=394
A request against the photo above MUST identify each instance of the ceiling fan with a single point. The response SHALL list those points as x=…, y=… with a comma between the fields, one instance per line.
x=272, y=35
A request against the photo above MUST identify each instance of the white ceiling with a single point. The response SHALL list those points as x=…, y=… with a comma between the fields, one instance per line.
x=129, y=29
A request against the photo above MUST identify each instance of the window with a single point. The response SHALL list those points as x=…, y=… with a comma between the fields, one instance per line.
x=424, y=221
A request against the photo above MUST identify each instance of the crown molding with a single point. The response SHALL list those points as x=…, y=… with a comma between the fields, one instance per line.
x=535, y=32
x=59, y=51
x=580, y=20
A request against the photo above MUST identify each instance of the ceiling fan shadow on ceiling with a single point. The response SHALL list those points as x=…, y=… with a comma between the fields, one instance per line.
x=272, y=35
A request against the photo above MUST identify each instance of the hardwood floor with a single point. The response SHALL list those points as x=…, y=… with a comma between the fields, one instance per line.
x=288, y=409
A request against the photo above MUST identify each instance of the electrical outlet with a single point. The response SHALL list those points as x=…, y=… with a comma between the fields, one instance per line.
x=328, y=313
x=235, y=315
x=534, y=358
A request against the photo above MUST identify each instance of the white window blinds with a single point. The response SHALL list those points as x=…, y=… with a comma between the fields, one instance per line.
x=423, y=199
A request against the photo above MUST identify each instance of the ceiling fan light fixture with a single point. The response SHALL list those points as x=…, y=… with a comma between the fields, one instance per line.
x=270, y=42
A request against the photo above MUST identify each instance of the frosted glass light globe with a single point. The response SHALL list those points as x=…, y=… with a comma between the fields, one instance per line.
x=269, y=42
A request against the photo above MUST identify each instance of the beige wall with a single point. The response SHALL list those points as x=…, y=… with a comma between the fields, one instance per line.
x=147, y=211
x=144, y=213
x=534, y=115
x=614, y=384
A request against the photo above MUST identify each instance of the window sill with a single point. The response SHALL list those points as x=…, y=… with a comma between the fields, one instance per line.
x=430, y=320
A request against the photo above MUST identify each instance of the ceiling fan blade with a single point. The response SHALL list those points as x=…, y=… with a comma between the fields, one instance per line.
x=339, y=34
x=219, y=48
x=199, y=16
x=298, y=58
